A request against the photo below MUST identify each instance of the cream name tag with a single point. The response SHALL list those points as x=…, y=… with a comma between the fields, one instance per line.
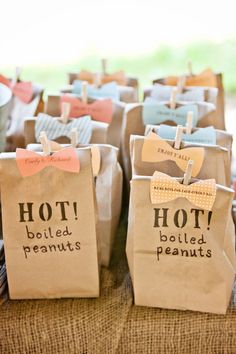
x=157, y=150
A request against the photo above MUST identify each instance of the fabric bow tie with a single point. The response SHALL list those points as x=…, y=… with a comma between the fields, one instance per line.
x=55, y=129
x=201, y=135
x=30, y=163
x=100, y=110
x=164, y=188
x=22, y=90
x=157, y=113
x=156, y=150
x=206, y=78
x=163, y=93
x=118, y=77
x=109, y=90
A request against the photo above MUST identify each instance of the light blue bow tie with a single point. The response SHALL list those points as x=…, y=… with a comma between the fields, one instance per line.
x=55, y=129
x=157, y=113
x=109, y=90
x=201, y=136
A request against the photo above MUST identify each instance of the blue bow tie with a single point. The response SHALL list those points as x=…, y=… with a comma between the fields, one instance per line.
x=55, y=129
x=109, y=90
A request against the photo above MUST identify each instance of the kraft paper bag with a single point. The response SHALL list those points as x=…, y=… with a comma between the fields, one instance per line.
x=108, y=186
x=53, y=108
x=49, y=224
x=5, y=101
x=18, y=111
x=181, y=252
x=151, y=153
x=89, y=131
x=208, y=135
x=209, y=79
x=127, y=86
x=135, y=119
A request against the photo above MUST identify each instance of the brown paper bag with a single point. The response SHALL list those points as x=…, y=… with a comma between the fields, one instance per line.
x=108, y=187
x=49, y=226
x=114, y=130
x=150, y=154
x=209, y=79
x=180, y=254
x=98, y=131
x=18, y=111
x=223, y=138
x=133, y=124
x=5, y=102
x=128, y=86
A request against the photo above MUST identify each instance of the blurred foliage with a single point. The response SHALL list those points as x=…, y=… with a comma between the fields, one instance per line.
x=165, y=60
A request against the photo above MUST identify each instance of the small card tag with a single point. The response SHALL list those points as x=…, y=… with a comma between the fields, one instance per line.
x=118, y=77
x=164, y=188
x=30, y=163
x=157, y=113
x=100, y=110
x=109, y=90
x=156, y=150
x=201, y=136
x=56, y=129
x=5, y=81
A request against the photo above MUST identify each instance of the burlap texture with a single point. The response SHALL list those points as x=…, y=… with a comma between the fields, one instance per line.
x=111, y=324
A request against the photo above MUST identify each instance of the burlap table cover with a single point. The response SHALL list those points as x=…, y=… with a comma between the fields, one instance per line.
x=111, y=323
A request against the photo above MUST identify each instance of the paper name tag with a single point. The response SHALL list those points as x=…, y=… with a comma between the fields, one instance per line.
x=164, y=188
x=157, y=113
x=109, y=90
x=100, y=110
x=5, y=81
x=22, y=90
x=201, y=136
x=206, y=78
x=30, y=162
x=157, y=150
x=118, y=77
x=163, y=93
x=56, y=129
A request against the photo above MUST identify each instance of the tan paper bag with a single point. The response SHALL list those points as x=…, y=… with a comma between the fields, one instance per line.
x=53, y=108
x=128, y=86
x=133, y=124
x=18, y=111
x=49, y=224
x=223, y=138
x=98, y=130
x=209, y=79
x=181, y=251
x=108, y=187
x=150, y=154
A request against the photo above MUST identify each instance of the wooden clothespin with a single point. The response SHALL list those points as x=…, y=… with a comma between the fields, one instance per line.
x=97, y=81
x=188, y=173
x=181, y=83
x=45, y=143
x=173, y=98
x=65, y=112
x=16, y=78
x=104, y=66
x=189, y=122
x=178, y=136
x=74, y=137
x=84, y=92
x=190, y=68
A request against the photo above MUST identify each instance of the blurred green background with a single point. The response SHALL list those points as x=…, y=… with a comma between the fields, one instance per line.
x=165, y=60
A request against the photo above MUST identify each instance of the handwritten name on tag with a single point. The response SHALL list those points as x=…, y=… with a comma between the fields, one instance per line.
x=163, y=93
x=164, y=188
x=157, y=150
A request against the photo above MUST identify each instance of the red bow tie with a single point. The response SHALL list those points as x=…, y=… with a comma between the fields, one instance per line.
x=30, y=162
x=100, y=110
x=22, y=90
